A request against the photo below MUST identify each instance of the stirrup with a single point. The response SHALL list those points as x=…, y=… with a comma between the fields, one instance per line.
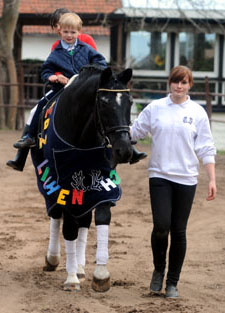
x=25, y=142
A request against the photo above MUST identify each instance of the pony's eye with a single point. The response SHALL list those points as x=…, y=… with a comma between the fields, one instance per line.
x=104, y=101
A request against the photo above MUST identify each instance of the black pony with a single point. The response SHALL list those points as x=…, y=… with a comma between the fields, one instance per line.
x=84, y=134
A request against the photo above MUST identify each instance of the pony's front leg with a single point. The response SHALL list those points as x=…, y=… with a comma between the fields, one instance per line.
x=80, y=251
x=52, y=258
x=84, y=224
x=101, y=276
x=72, y=282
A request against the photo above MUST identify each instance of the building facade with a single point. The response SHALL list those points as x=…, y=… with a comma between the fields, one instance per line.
x=157, y=40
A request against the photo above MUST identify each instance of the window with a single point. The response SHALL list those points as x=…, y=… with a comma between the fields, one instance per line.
x=223, y=91
x=149, y=89
x=198, y=51
x=148, y=51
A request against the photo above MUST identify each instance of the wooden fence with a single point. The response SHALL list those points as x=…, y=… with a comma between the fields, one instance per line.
x=207, y=96
x=30, y=93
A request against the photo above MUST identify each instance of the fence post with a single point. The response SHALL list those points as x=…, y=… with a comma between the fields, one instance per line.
x=21, y=121
x=208, y=99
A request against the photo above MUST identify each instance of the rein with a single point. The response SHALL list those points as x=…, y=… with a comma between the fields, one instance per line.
x=114, y=129
x=113, y=90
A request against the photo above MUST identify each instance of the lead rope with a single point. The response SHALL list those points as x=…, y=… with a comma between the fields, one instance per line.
x=113, y=90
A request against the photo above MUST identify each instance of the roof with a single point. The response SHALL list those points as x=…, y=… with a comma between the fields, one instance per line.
x=35, y=10
x=172, y=20
x=85, y=6
x=171, y=13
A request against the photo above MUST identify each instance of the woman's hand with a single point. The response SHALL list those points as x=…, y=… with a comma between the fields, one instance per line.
x=210, y=169
x=211, y=190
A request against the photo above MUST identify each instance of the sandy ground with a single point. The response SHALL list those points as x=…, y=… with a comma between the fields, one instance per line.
x=24, y=231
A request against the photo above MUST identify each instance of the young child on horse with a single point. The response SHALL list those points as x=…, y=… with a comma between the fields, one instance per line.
x=69, y=56
x=19, y=161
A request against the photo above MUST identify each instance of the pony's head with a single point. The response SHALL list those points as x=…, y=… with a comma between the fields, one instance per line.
x=113, y=108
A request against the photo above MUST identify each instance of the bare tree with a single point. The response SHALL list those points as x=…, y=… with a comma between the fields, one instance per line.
x=174, y=4
x=205, y=9
x=8, y=73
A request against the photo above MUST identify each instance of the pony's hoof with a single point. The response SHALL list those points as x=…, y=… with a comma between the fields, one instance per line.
x=101, y=279
x=100, y=285
x=72, y=283
x=80, y=273
x=51, y=263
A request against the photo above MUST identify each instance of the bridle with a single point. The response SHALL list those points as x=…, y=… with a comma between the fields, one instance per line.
x=115, y=129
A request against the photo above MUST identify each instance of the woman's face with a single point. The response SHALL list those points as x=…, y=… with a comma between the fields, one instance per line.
x=179, y=90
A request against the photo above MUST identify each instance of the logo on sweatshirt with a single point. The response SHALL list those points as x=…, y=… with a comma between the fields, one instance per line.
x=188, y=120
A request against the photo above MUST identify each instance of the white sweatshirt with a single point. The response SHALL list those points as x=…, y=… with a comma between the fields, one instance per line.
x=180, y=136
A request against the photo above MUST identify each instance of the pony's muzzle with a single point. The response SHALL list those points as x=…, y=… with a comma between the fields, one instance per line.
x=122, y=151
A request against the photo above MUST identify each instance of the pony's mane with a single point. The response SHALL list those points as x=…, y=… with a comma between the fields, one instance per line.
x=90, y=69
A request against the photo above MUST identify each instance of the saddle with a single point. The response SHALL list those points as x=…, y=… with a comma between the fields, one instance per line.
x=49, y=103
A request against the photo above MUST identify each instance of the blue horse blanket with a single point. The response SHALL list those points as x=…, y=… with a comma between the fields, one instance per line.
x=73, y=179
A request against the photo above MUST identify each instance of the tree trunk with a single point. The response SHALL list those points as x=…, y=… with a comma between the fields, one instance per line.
x=8, y=22
x=2, y=110
x=13, y=93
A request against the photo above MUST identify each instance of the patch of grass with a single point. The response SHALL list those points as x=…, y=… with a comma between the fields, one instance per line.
x=146, y=141
x=220, y=152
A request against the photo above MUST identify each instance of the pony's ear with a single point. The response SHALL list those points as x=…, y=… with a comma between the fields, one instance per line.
x=125, y=76
x=105, y=76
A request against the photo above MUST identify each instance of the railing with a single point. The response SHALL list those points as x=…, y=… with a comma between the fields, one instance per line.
x=22, y=106
x=207, y=95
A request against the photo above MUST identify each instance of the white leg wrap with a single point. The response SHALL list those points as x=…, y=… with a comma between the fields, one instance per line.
x=102, y=244
x=101, y=272
x=71, y=259
x=54, y=240
x=81, y=245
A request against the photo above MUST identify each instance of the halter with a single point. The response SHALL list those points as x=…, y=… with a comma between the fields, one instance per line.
x=114, y=129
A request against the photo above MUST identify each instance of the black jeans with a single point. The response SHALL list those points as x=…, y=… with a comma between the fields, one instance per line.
x=171, y=205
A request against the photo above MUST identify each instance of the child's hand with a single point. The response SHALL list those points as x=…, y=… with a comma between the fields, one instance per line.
x=62, y=79
x=53, y=79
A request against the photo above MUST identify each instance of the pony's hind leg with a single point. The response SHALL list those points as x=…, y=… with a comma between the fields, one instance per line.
x=53, y=254
x=101, y=276
x=72, y=282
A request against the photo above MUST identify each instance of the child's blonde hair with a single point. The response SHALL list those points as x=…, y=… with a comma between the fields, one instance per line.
x=71, y=20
